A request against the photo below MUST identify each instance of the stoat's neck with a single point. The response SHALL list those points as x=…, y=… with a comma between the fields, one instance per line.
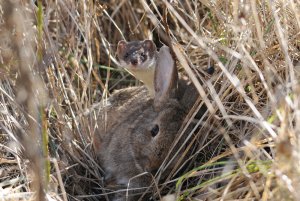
x=146, y=76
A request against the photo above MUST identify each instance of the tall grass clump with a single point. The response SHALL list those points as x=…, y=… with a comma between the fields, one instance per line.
x=57, y=63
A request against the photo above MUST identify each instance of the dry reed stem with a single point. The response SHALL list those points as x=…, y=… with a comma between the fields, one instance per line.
x=252, y=97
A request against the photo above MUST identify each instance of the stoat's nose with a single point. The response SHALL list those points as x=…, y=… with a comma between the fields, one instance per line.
x=134, y=62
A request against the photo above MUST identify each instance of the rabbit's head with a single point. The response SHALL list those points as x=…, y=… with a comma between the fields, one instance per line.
x=135, y=132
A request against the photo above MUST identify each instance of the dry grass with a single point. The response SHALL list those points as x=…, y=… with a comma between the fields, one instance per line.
x=58, y=63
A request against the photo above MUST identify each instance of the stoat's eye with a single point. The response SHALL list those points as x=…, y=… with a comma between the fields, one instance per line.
x=143, y=56
x=126, y=55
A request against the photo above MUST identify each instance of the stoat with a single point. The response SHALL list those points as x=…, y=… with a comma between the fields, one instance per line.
x=140, y=59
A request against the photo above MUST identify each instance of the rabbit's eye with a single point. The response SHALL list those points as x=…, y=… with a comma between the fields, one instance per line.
x=154, y=130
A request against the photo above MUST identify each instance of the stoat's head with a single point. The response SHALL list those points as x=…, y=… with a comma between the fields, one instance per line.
x=136, y=55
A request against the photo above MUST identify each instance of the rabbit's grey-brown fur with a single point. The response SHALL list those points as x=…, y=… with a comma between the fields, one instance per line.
x=135, y=132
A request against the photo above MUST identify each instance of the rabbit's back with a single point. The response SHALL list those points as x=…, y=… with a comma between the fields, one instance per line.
x=120, y=106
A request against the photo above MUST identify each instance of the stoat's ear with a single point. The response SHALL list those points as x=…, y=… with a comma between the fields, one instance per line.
x=121, y=46
x=165, y=77
x=149, y=44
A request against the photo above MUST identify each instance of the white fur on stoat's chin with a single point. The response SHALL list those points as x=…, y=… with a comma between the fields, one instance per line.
x=145, y=73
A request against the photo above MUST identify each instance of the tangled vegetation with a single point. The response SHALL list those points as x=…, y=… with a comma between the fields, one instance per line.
x=57, y=63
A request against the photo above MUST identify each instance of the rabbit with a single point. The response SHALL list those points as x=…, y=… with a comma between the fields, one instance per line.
x=135, y=131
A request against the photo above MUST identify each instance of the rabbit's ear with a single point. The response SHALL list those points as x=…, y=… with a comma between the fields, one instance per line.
x=165, y=78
